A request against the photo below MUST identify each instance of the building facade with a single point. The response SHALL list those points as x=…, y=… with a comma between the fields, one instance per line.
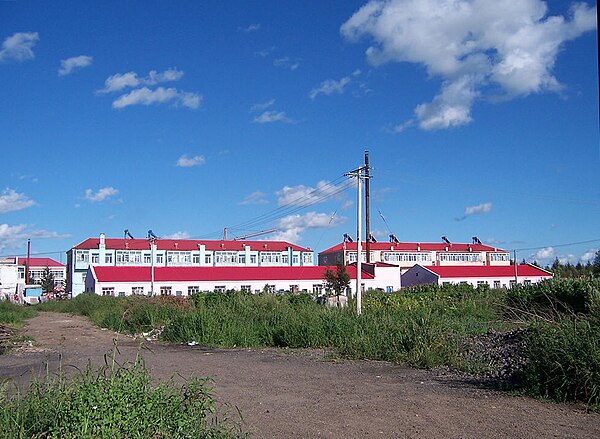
x=492, y=276
x=104, y=251
x=183, y=281
x=12, y=274
x=407, y=254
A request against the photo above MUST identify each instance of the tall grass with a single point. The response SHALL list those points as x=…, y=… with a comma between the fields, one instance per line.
x=15, y=315
x=114, y=402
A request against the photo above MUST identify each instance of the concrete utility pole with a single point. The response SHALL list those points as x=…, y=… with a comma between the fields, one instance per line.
x=152, y=256
x=367, y=208
x=360, y=175
x=27, y=262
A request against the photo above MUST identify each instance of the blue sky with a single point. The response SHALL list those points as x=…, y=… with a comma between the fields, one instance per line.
x=481, y=118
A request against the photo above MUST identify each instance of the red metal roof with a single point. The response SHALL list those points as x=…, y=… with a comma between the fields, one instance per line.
x=166, y=274
x=415, y=246
x=188, y=244
x=488, y=271
x=39, y=262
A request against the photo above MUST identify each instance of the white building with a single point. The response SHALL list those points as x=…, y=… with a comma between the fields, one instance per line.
x=104, y=251
x=493, y=276
x=183, y=281
x=12, y=273
x=407, y=254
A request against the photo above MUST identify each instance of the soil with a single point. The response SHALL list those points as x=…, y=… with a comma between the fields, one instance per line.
x=308, y=393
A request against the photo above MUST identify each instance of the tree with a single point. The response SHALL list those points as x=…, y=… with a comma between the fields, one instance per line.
x=596, y=264
x=337, y=281
x=47, y=281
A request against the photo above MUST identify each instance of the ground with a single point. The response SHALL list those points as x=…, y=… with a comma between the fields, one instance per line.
x=306, y=393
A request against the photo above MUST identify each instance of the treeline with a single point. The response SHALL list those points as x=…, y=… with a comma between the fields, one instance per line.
x=568, y=270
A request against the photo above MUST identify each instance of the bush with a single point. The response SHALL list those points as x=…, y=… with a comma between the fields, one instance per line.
x=114, y=402
x=564, y=361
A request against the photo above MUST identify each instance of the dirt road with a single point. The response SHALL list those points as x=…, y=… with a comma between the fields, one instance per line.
x=302, y=394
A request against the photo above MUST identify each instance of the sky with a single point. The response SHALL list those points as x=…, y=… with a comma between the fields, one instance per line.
x=480, y=118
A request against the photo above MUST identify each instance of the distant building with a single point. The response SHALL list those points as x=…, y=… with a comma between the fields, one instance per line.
x=183, y=281
x=12, y=273
x=493, y=276
x=104, y=251
x=407, y=254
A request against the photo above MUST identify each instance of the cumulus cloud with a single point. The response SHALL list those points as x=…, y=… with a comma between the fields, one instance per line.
x=545, y=253
x=256, y=197
x=262, y=106
x=185, y=162
x=476, y=210
x=120, y=81
x=473, y=46
x=19, y=47
x=291, y=227
x=287, y=63
x=307, y=195
x=272, y=116
x=16, y=236
x=589, y=255
x=101, y=194
x=177, y=235
x=329, y=87
x=11, y=201
x=67, y=66
x=145, y=96
x=251, y=28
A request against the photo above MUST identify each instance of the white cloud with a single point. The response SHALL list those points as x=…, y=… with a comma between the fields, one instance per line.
x=329, y=87
x=272, y=116
x=307, y=195
x=77, y=62
x=287, y=63
x=185, y=162
x=119, y=81
x=480, y=209
x=11, y=201
x=588, y=256
x=18, y=47
x=474, y=46
x=101, y=194
x=256, y=197
x=177, y=235
x=291, y=226
x=145, y=96
x=262, y=106
x=545, y=253
x=251, y=28
x=16, y=236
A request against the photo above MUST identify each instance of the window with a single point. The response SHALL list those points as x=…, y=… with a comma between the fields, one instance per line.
x=165, y=291
x=405, y=257
x=196, y=259
x=108, y=258
x=81, y=256
x=527, y=282
x=108, y=291
x=208, y=259
x=285, y=259
x=460, y=257
x=121, y=293
x=160, y=258
x=512, y=283
x=317, y=289
x=307, y=258
x=21, y=272
x=193, y=289
x=496, y=284
x=294, y=288
x=226, y=258
x=137, y=290
x=242, y=258
x=481, y=283
x=179, y=258
x=220, y=289
x=147, y=258
x=352, y=257
x=125, y=257
x=270, y=258
x=95, y=258
x=246, y=288
x=178, y=293
x=253, y=259
x=498, y=257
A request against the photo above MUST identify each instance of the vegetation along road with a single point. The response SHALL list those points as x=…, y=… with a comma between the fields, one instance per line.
x=307, y=393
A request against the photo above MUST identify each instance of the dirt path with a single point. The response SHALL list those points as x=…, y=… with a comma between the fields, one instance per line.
x=300, y=394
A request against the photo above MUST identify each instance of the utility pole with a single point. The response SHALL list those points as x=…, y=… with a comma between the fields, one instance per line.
x=27, y=263
x=152, y=256
x=367, y=208
x=516, y=272
x=359, y=174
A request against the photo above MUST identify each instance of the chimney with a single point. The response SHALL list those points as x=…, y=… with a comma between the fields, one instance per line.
x=102, y=240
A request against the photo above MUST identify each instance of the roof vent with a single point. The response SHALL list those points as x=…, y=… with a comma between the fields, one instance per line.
x=445, y=240
x=176, y=244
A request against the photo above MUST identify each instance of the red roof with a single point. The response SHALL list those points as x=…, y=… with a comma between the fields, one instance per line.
x=39, y=262
x=166, y=274
x=488, y=271
x=415, y=246
x=188, y=244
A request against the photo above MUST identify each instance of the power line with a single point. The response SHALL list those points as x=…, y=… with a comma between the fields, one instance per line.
x=557, y=245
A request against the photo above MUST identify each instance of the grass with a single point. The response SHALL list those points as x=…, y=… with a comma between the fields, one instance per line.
x=15, y=315
x=114, y=401
x=423, y=327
